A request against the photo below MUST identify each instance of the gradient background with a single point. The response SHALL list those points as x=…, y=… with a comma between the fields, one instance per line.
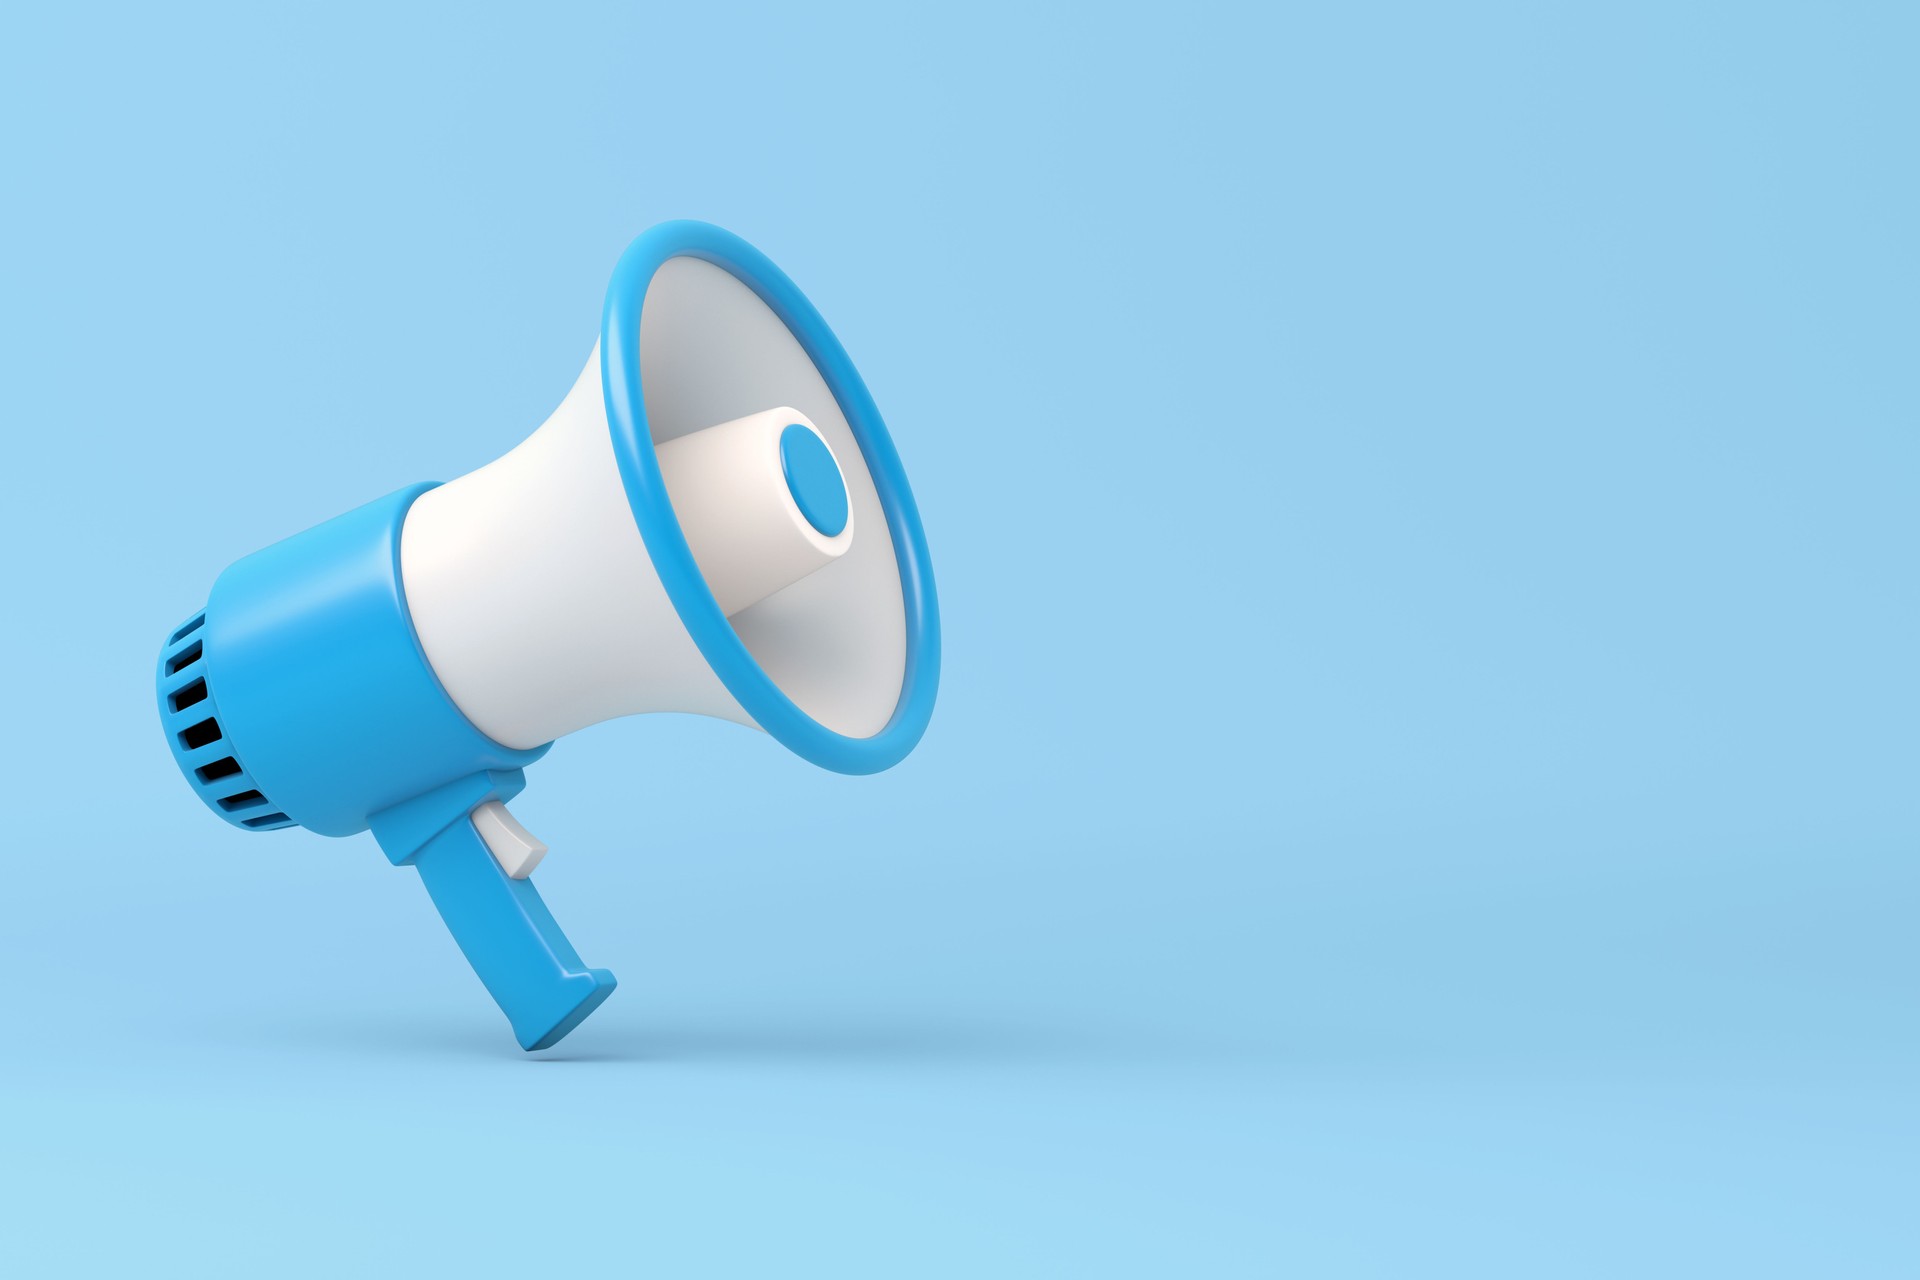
x=1424, y=508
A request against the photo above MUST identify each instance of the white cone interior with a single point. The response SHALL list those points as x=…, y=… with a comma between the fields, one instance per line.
x=836, y=641
x=532, y=591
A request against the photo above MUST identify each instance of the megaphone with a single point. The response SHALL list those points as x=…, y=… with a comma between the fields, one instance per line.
x=714, y=521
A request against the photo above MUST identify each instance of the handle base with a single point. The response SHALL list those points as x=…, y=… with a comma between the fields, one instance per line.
x=503, y=928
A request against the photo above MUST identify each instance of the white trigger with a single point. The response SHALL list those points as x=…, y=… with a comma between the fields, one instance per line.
x=517, y=850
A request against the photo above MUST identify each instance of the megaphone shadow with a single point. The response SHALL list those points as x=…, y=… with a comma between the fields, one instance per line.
x=879, y=1039
x=789, y=1040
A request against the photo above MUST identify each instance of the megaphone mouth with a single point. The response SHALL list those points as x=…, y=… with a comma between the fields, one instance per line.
x=720, y=644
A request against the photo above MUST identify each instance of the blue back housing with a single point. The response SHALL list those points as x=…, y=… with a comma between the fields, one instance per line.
x=313, y=686
x=300, y=695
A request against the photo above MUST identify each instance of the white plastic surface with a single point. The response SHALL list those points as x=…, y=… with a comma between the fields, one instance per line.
x=517, y=850
x=533, y=595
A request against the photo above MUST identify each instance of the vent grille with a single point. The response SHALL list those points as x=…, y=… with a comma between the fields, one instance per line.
x=190, y=710
x=192, y=693
x=185, y=658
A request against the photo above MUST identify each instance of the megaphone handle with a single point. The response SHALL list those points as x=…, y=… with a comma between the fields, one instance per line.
x=504, y=929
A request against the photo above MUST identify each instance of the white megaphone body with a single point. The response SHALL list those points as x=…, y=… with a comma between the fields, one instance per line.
x=713, y=521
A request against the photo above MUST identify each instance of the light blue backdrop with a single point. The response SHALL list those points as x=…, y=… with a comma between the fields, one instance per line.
x=1424, y=506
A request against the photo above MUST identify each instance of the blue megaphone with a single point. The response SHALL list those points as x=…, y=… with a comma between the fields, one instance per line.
x=713, y=521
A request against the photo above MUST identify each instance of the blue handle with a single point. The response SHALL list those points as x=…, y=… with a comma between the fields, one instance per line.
x=508, y=935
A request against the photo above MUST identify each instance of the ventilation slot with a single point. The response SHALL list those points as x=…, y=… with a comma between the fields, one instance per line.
x=219, y=769
x=264, y=820
x=245, y=800
x=195, y=692
x=195, y=736
x=187, y=630
x=185, y=658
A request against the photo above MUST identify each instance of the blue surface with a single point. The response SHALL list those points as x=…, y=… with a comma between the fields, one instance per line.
x=814, y=480
x=198, y=733
x=1469, y=828
x=324, y=692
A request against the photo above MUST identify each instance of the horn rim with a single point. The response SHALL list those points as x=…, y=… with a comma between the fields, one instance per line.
x=699, y=612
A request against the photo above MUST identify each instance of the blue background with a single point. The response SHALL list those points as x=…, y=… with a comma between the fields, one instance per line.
x=1424, y=507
